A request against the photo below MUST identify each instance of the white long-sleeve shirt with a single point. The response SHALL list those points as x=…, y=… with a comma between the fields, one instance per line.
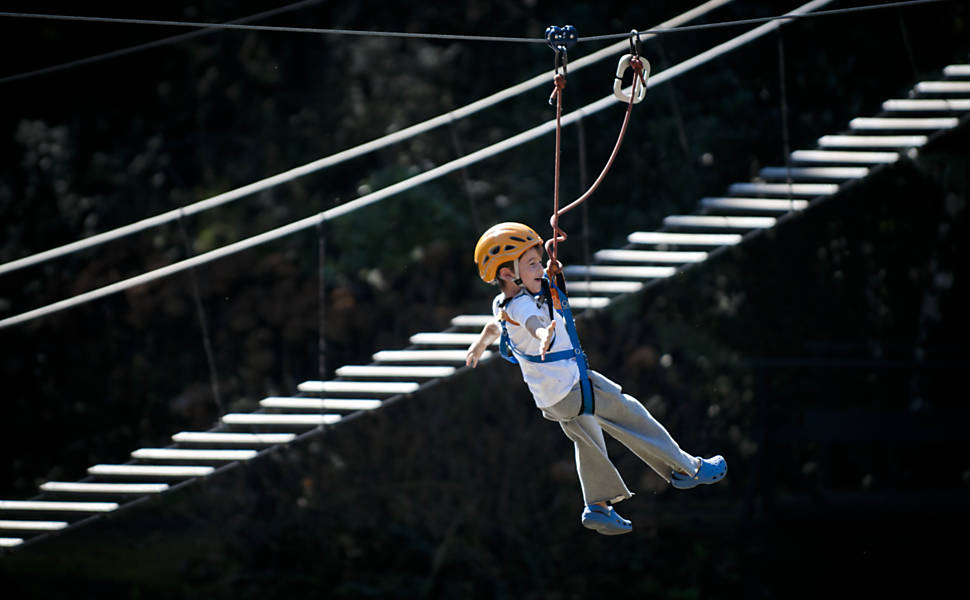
x=548, y=381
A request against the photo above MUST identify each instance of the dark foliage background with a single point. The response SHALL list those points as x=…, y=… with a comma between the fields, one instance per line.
x=823, y=359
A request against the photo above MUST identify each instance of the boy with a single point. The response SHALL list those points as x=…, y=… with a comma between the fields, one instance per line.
x=584, y=403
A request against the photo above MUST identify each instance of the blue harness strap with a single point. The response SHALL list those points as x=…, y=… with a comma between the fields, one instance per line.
x=511, y=353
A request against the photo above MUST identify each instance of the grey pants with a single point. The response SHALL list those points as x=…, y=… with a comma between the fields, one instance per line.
x=626, y=420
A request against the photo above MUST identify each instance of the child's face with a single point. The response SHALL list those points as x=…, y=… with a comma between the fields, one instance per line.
x=530, y=270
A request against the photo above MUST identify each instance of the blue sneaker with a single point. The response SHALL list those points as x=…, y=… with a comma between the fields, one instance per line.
x=605, y=521
x=712, y=470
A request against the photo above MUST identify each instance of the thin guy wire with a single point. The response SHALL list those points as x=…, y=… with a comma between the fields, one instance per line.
x=153, y=44
x=454, y=37
x=911, y=55
x=909, y=49
x=675, y=106
x=465, y=179
x=203, y=323
x=786, y=142
x=322, y=304
x=583, y=181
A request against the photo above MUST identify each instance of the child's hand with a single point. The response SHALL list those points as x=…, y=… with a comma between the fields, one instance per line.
x=471, y=358
x=490, y=333
x=545, y=338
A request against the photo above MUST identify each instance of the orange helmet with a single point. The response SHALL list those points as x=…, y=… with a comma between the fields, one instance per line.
x=503, y=243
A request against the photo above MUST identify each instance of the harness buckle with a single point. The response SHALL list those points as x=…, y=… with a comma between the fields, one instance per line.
x=506, y=317
x=635, y=44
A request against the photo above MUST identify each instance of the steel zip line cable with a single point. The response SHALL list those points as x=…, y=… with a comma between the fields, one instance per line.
x=272, y=28
x=340, y=157
x=406, y=184
x=451, y=37
x=756, y=20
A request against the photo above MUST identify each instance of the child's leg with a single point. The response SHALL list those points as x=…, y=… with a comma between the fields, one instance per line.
x=624, y=418
x=599, y=479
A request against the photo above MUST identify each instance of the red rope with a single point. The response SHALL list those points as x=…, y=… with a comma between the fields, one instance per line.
x=558, y=235
x=560, y=82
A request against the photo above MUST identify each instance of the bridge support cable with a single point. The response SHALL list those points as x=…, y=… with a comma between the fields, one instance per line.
x=407, y=184
x=342, y=156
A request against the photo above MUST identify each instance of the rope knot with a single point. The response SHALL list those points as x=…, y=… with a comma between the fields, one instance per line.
x=553, y=268
x=559, y=84
x=637, y=65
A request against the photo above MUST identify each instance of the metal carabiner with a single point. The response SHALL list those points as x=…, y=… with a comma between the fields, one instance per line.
x=637, y=46
x=625, y=62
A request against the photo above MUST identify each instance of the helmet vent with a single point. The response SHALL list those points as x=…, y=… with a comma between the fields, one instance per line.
x=509, y=247
x=494, y=250
x=516, y=238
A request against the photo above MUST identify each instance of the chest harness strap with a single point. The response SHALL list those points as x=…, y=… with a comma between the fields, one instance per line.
x=510, y=352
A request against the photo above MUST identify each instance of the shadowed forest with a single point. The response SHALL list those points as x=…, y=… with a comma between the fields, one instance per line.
x=823, y=359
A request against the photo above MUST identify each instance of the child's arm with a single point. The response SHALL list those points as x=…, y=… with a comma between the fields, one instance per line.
x=491, y=332
x=544, y=334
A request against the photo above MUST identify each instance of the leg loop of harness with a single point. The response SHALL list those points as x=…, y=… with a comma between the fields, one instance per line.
x=586, y=388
